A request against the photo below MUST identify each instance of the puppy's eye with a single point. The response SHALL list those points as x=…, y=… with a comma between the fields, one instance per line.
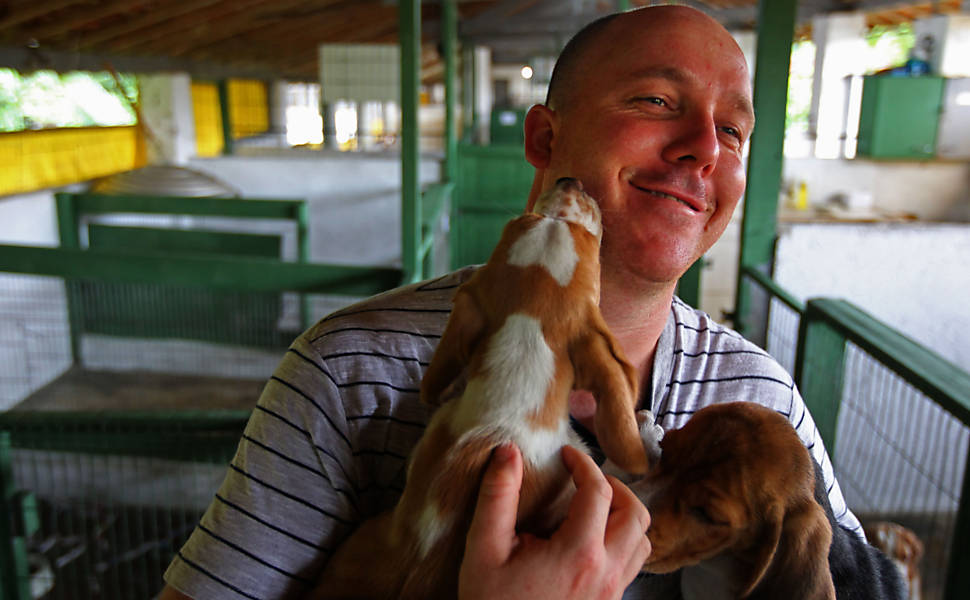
x=700, y=513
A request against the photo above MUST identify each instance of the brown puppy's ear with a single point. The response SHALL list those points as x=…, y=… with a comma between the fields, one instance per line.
x=600, y=368
x=798, y=568
x=762, y=553
x=463, y=333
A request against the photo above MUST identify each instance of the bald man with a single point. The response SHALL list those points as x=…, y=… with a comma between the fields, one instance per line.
x=650, y=110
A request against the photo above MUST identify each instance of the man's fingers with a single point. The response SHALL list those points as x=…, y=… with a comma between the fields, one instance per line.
x=626, y=530
x=590, y=507
x=491, y=536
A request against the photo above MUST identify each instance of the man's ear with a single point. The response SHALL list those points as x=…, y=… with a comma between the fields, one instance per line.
x=540, y=128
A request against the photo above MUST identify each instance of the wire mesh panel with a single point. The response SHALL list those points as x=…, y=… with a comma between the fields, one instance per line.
x=900, y=457
x=781, y=340
x=34, y=334
x=105, y=502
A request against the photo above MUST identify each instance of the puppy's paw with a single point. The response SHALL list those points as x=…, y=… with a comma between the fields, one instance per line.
x=651, y=434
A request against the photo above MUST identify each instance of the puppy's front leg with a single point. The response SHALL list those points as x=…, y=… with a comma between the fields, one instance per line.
x=462, y=333
x=613, y=381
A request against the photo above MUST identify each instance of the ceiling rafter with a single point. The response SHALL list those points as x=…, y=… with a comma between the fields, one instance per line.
x=208, y=20
x=283, y=36
x=21, y=14
x=145, y=21
x=64, y=24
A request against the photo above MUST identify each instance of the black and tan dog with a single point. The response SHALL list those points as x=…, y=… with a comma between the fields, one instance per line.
x=738, y=505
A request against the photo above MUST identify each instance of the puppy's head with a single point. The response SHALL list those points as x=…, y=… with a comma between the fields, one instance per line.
x=729, y=483
x=567, y=201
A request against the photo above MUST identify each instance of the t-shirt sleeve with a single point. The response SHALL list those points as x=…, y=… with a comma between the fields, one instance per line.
x=287, y=498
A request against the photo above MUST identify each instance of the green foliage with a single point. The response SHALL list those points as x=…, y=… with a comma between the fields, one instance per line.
x=46, y=99
x=891, y=44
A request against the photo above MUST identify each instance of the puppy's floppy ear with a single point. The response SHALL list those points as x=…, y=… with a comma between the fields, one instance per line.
x=463, y=333
x=796, y=565
x=762, y=554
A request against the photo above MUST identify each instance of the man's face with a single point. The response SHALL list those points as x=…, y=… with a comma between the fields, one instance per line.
x=654, y=130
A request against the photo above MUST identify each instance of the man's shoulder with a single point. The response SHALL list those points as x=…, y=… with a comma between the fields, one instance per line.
x=698, y=327
x=713, y=346
x=419, y=311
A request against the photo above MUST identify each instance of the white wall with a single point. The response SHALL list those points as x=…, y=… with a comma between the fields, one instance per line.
x=912, y=276
x=29, y=219
x=354, y=198
x=926, y=189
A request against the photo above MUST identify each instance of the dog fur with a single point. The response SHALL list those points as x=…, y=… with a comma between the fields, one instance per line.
x=739, y=506
x=525, y=330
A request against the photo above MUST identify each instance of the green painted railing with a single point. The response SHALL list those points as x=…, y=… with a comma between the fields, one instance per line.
x=103, y=442
x=826, y=328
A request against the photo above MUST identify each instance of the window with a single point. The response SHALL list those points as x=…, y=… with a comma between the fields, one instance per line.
x=46, y=99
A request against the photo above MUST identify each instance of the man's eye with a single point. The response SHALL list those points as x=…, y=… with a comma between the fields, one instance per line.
x=733, y=132
x=652, y=100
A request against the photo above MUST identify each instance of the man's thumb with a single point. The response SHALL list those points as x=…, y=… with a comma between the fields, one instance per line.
x=491, y=536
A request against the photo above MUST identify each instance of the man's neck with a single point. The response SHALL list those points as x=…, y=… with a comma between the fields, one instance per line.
x=636, y=318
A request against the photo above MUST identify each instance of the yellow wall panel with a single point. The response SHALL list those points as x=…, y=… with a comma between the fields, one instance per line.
x=208, y=119
x=33, y=160
x=248, y=107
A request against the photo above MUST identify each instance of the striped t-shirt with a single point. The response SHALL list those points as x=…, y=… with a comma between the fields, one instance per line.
x=327, y=444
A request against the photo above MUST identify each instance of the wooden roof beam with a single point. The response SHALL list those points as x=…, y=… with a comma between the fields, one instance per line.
x=220, y=22
x=21, y=14
x=146, y=21
x=195, y=44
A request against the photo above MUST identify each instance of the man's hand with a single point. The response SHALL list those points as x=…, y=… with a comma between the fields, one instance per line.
x=595, y=553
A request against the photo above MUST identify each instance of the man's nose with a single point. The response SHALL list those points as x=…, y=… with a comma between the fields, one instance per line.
x=695, y=146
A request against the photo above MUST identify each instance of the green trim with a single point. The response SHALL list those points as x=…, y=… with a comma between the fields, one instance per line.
x=819, y=372
x=776, y=26
x=182, y=241
x=14, y=573
x=228, y=144
x=242, y=274
x=945, y=383
x=86, y=204
x=689, y=284
x=409, y=16
x=190, y=435
x=449, y=44
x=958, y=569
x=776, y=290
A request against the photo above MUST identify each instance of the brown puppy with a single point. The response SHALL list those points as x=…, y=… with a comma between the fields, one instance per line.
x=732, y=503
x=904, y=548
x=525, y=330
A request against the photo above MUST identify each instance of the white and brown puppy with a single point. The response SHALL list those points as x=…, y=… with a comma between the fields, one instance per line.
x=739, y=505
x=525, y=330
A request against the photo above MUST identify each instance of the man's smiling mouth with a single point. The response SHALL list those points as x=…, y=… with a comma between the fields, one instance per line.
x=669, y=197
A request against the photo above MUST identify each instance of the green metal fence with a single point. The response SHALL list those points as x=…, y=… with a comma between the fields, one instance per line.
x=895, y=417
x=116, y=436
x=100, y=502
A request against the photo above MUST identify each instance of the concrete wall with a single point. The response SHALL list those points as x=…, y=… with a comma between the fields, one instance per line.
x=354, y=201
x=911, y=276
x=354, y=198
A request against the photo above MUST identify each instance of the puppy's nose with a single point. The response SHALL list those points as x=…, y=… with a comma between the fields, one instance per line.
x=569, y=183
